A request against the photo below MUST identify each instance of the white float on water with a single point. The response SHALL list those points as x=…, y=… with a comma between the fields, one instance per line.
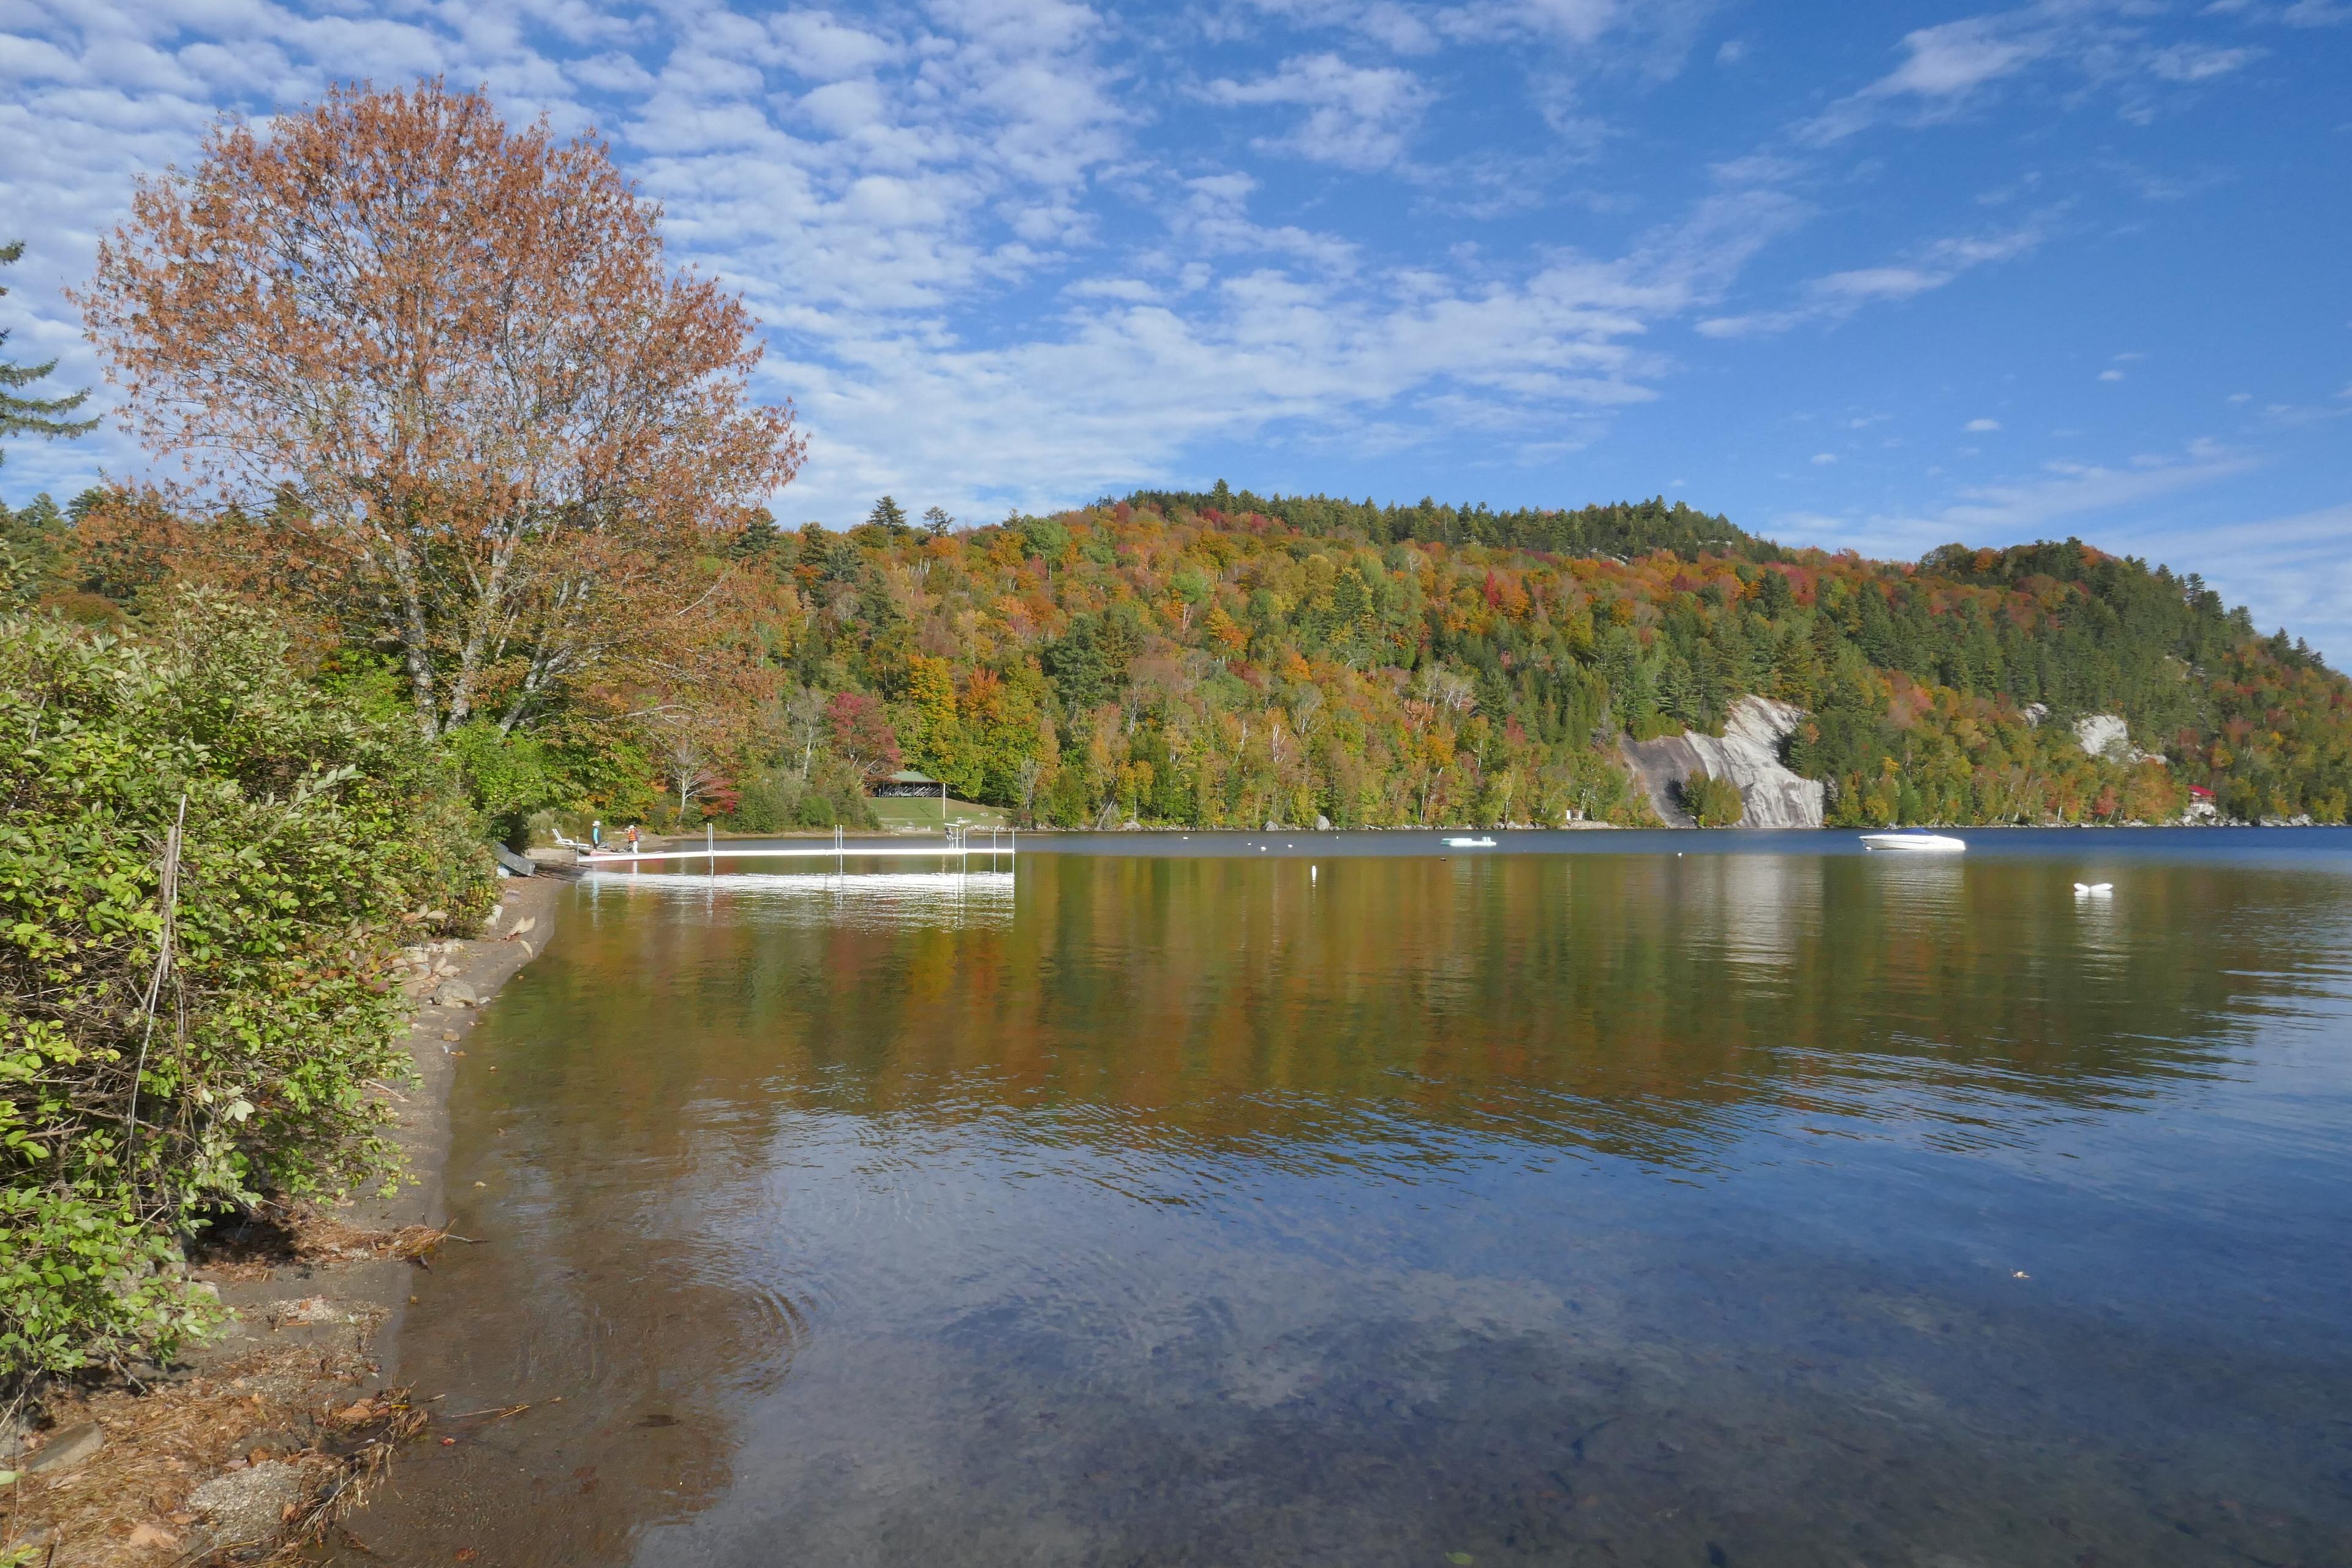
x=2094, y=889
x=1934, y=842
x=1470, y=843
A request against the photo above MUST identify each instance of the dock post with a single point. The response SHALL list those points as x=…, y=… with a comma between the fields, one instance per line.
x=710, y=846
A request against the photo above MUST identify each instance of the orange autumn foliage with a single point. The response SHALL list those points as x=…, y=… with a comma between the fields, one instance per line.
x=431, y=375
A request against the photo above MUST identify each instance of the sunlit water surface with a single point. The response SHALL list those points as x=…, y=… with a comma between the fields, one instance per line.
x=1234, y=1206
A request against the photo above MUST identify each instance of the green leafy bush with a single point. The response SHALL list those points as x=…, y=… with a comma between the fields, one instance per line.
x=830, y=794
x=1713, y=802
x=166, y=1060
x=507, y=777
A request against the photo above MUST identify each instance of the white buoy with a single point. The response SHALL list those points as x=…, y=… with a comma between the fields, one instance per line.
x=2094, y=889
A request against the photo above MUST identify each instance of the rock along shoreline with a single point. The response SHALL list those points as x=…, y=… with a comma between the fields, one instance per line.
x=263, y=1432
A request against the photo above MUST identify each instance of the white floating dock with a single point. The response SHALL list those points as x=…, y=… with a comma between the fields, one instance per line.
x=842, y=849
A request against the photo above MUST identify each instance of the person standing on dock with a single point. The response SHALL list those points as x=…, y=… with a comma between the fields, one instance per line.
x=632, y=838
x=596, y=835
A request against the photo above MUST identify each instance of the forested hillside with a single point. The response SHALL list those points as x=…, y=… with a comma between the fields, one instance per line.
x=1220, y=658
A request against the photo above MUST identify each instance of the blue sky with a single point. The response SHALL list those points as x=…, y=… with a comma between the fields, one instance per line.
x=1881, y=275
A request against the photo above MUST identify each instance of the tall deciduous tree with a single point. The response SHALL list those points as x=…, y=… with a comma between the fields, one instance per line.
x=861, y=734
x=438, y=376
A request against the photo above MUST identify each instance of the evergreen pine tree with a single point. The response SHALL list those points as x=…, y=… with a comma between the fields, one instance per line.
x=937, y=521
x=889, y=515
x=41, y=417
x=757, y=536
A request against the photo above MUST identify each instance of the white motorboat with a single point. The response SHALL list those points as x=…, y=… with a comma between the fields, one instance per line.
x=1933, y=843
x=1470, y=844
x=2094, y=889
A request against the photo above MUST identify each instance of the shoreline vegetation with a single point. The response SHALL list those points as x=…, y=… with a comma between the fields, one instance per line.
x=266, y=1432
x=472, y=541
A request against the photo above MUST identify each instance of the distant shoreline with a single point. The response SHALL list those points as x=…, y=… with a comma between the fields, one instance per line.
x=652, y=842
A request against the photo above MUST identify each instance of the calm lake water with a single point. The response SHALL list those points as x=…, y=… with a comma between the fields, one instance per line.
x=1784, y=1205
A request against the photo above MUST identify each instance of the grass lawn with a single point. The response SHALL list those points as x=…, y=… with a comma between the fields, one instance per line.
x=914, y=813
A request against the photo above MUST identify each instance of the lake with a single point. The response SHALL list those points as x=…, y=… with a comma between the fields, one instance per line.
x=1611, y=1198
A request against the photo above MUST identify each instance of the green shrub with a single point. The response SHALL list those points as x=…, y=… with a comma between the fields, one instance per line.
x=779, y=799
x=319, y=831
x=507, y=777
x=1713, y=802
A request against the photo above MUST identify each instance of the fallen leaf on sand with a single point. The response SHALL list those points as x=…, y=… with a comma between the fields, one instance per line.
x=150, y=1535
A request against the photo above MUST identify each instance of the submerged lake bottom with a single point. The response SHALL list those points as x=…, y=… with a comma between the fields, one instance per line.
x=1608, y=1203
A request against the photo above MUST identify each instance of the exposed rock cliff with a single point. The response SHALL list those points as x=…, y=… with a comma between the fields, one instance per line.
x=1747, y=753
x=2107, y=735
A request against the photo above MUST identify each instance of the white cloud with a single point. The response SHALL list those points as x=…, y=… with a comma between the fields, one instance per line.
x=1839, y=295
x=2316, y=13
x=1357, y=117
x=1213, y=219
x=2036, y=505
x=1981, y=425
x=1941, y=67
x=816, y=47
x=2198, y=62
x=2111, y=375
x=1960, y=57
x=1397, y=27
x=1822, y=459
x=1948, y=69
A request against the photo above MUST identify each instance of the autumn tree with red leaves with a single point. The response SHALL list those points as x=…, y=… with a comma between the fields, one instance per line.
x=433, y=374
x=862, y=735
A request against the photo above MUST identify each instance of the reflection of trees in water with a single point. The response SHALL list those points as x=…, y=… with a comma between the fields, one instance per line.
x=1639, y=1004
x=1165, y=1012
x=611, y=1295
